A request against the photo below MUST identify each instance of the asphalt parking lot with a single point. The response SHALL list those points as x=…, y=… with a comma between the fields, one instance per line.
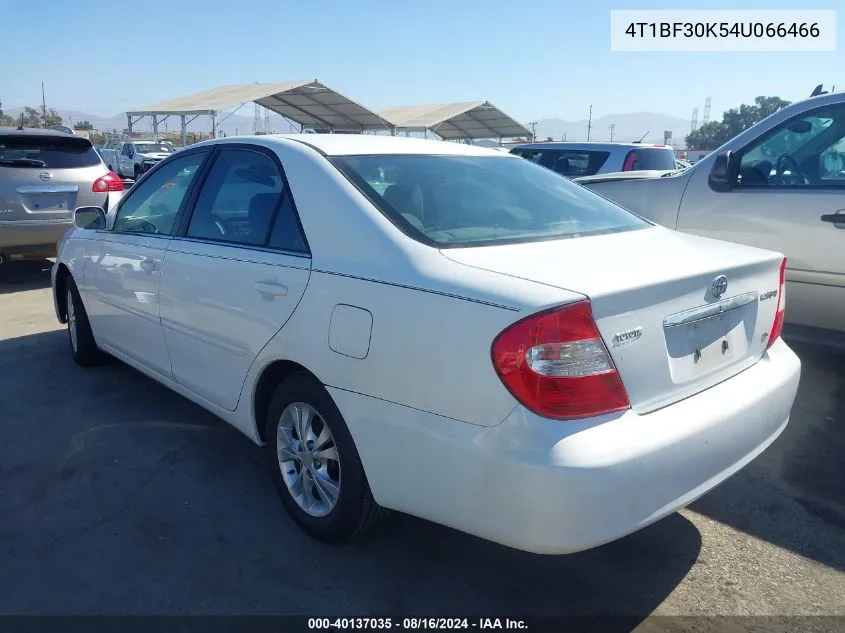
x=120, y=497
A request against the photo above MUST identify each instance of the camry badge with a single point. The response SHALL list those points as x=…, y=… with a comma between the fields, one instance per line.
x=719, y=286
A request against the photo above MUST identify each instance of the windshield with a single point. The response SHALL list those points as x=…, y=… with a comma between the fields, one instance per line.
x=475, y=200
x=52, y=152
x=153, y=148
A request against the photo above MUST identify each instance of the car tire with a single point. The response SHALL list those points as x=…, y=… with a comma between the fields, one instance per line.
x=354, y=511
x=83, y=347
x=137, y=173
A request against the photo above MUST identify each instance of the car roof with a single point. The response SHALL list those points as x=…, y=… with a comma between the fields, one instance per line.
x=34, y=131
x=364, y=144
x=589, y=145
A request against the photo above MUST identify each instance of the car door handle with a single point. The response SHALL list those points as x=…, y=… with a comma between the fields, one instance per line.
x=148, y=265
x=270, y=288
x=838, y=219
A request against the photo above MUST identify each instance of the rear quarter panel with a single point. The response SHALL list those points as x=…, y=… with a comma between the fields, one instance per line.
x=424, y=350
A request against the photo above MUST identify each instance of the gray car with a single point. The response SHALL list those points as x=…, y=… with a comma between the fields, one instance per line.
x=575, y=160
x=44, y=176
x=780, y=185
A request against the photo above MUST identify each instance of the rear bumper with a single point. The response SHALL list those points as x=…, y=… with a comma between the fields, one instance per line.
x=31, y=237
x=558, y=487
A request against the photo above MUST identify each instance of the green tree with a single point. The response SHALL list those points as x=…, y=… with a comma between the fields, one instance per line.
x=32, y=117
x=83, y=125
x=713, y=134
x=5, y=119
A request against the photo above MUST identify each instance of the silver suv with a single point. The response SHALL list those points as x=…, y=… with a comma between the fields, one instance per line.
x=44, y=176
x=575, y=160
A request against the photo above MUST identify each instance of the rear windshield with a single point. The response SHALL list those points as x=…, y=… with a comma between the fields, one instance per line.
x=51, y=152
x=652, y=158
x=475, y=200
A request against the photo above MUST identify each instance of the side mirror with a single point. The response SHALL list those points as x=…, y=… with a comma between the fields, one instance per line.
x=89, y=218
x=722, y=174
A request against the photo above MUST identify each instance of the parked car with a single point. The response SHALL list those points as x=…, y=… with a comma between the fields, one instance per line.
x=586, y=159
x=778, y=185
x=131, y=159
x=439, y=329
x=44, y=176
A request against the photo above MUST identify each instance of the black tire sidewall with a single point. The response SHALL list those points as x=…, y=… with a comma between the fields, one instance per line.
x=344, y=519
x=86, y=352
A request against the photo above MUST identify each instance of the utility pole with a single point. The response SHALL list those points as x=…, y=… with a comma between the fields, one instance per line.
x=612, y=125
x=533, y=125
x=43, y=107
x=590, y=123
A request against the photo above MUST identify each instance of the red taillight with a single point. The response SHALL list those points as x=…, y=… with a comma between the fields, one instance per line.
x=110, y=182
x=630, y=159
x=556, y=365
x=777, y=327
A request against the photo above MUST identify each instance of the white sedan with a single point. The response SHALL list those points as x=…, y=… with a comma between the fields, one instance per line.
x=439, y=329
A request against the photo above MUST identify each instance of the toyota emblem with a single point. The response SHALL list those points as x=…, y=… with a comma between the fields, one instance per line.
x=45, y=176
x=719, y=286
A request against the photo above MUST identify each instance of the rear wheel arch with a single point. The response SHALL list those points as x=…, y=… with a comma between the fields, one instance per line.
x=270, y=377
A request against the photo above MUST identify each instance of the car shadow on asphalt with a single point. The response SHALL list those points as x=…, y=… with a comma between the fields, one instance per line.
x=24, y=275
x=124, y=497
x=793, y=495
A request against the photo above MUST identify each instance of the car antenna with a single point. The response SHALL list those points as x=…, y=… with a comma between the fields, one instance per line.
x=642, y=137
x=818, y=91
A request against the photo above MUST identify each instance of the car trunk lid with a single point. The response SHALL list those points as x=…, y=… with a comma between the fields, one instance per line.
x=678, y=313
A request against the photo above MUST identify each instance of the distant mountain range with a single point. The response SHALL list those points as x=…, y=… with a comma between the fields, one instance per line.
x=647, y=126
x=626, y=127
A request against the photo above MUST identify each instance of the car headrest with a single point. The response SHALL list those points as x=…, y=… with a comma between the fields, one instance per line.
x=261, y=209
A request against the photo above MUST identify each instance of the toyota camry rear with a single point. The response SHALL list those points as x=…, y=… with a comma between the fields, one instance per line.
x=644, y=366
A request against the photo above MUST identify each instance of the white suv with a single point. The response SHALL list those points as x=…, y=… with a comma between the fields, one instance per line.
x=575, y=160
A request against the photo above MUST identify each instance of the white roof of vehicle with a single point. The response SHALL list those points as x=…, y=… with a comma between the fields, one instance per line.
x=309, y=103
x=362, y=144
x=462, y=120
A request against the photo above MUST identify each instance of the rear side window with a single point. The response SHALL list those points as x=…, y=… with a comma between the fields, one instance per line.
x=47, y=152
x=534, y=155
x=242, y=199
x=649, y=158
x=449, y=201
x=569, y=163
x=574, y=164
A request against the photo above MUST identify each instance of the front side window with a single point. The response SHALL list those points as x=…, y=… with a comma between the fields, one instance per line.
x=474, y=200
x=151, y=205
x=238, y=200
x=806, y=152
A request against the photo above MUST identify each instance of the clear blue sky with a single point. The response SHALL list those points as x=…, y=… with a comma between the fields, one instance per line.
x=532, y=58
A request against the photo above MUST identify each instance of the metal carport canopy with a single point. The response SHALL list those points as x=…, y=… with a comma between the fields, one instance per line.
x=309, y=103
x=452, y=121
